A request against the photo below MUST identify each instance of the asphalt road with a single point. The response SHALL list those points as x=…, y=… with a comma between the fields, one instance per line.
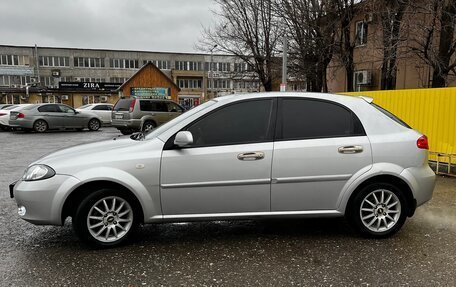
x=250, y=253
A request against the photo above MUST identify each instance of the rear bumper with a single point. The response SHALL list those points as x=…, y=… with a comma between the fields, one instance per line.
x=21, y=123
x=126, y=124
x=422, y=182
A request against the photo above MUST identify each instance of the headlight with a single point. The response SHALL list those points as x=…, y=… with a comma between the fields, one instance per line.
x=38, y=172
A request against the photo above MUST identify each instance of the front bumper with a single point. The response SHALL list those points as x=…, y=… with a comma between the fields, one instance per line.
x=43, y=199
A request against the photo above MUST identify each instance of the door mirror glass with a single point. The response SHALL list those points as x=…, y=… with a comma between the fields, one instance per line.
x=183, y=138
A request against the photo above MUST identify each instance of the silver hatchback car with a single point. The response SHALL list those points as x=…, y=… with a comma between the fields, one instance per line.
x=238, y=157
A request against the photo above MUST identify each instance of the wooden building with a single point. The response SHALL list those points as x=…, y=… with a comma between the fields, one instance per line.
x=150, y=81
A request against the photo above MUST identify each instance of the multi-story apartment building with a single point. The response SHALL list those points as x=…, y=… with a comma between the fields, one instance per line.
x=367, y=40
x=44, y=69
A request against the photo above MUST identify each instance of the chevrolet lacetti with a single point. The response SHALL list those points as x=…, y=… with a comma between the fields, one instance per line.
x=238, y=157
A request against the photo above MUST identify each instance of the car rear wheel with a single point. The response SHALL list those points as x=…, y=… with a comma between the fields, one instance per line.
x=148, y=125
x=94, y=125
x=40, y=126
x=378, y=210
x=106, y=218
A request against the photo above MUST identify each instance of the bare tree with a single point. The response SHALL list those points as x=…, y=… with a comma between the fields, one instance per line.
x=249, y=30
x=391, y=14
x=346, y=43
x=434, y=39
x=310, y=25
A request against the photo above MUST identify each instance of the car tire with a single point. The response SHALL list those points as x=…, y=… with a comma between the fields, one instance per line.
x=378, y=210
x=106, y=218
x=148, y=125
x=94, y=125
x=40, y=126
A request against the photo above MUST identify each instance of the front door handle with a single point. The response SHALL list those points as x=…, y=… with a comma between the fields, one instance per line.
x=351, y=149
x=251, y=155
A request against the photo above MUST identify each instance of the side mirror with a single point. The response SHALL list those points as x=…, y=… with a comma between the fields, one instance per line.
x=183, y=138
x=76, y=112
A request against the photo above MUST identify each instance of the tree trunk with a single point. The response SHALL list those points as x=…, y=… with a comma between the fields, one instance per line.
x=446, y=48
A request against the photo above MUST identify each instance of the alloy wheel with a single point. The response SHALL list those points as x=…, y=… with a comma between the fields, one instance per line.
x=94, y=125
x=110, y=219
x=380, y=210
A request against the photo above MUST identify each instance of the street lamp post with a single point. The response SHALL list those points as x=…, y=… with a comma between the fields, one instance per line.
x=211, y=78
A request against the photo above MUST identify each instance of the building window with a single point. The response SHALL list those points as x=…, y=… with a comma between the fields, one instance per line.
x=189, y=83
x=118, y=80
x=89, y=80
x=219, y=84
x=246, y=85
x=161, y=64
x=188, y=66
x=9, y=60
x=361, y=33
x=124, y=64
x=54, y=61
x=84, y=62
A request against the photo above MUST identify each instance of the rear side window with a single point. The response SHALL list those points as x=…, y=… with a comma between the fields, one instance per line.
x=102, y=108
x=310, y=119
x=391, y=116
x=49, y=109
x=152, y=106
x=122, y=105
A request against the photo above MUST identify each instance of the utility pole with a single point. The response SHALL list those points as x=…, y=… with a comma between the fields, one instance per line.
x=210, y=68
x=283, y=85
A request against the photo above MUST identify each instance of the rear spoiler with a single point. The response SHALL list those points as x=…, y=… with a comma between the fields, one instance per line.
x=367, y=99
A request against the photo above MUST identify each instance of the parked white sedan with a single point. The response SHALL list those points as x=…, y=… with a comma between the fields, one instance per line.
x=4, y=115
x=101, y=110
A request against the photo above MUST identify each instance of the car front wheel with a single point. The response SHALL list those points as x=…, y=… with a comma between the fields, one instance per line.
x=378, y=210
x=94, y=124
x=105, y=218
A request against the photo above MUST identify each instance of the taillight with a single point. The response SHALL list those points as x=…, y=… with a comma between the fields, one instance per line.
x=132, y=105
x=422, y=142
x=20, y=116
x=2, y=114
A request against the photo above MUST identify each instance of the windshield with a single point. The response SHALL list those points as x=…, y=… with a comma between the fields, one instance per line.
x=155, y=132
x=84, y=107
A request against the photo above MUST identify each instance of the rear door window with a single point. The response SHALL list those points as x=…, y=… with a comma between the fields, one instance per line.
x=152, y=106
x=311, y=119
x=102, y=108
x=49, y=109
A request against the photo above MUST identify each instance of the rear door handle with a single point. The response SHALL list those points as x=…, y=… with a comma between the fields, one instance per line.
x=351, y=149
x=251, y=155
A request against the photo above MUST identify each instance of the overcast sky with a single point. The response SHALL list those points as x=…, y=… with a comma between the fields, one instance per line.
x=151, y=25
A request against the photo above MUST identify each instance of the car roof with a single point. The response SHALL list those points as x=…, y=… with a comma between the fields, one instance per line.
x=344, y=99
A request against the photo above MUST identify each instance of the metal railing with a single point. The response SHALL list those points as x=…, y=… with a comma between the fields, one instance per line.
x=444, y=163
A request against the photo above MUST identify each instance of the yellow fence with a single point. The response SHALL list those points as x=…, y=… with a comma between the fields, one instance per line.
x=430, y=111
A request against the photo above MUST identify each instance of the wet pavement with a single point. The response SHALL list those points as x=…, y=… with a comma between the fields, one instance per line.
x=308, y=252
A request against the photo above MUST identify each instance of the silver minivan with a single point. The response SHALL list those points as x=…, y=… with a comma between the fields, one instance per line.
x=140, y=114
x=265, y=155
